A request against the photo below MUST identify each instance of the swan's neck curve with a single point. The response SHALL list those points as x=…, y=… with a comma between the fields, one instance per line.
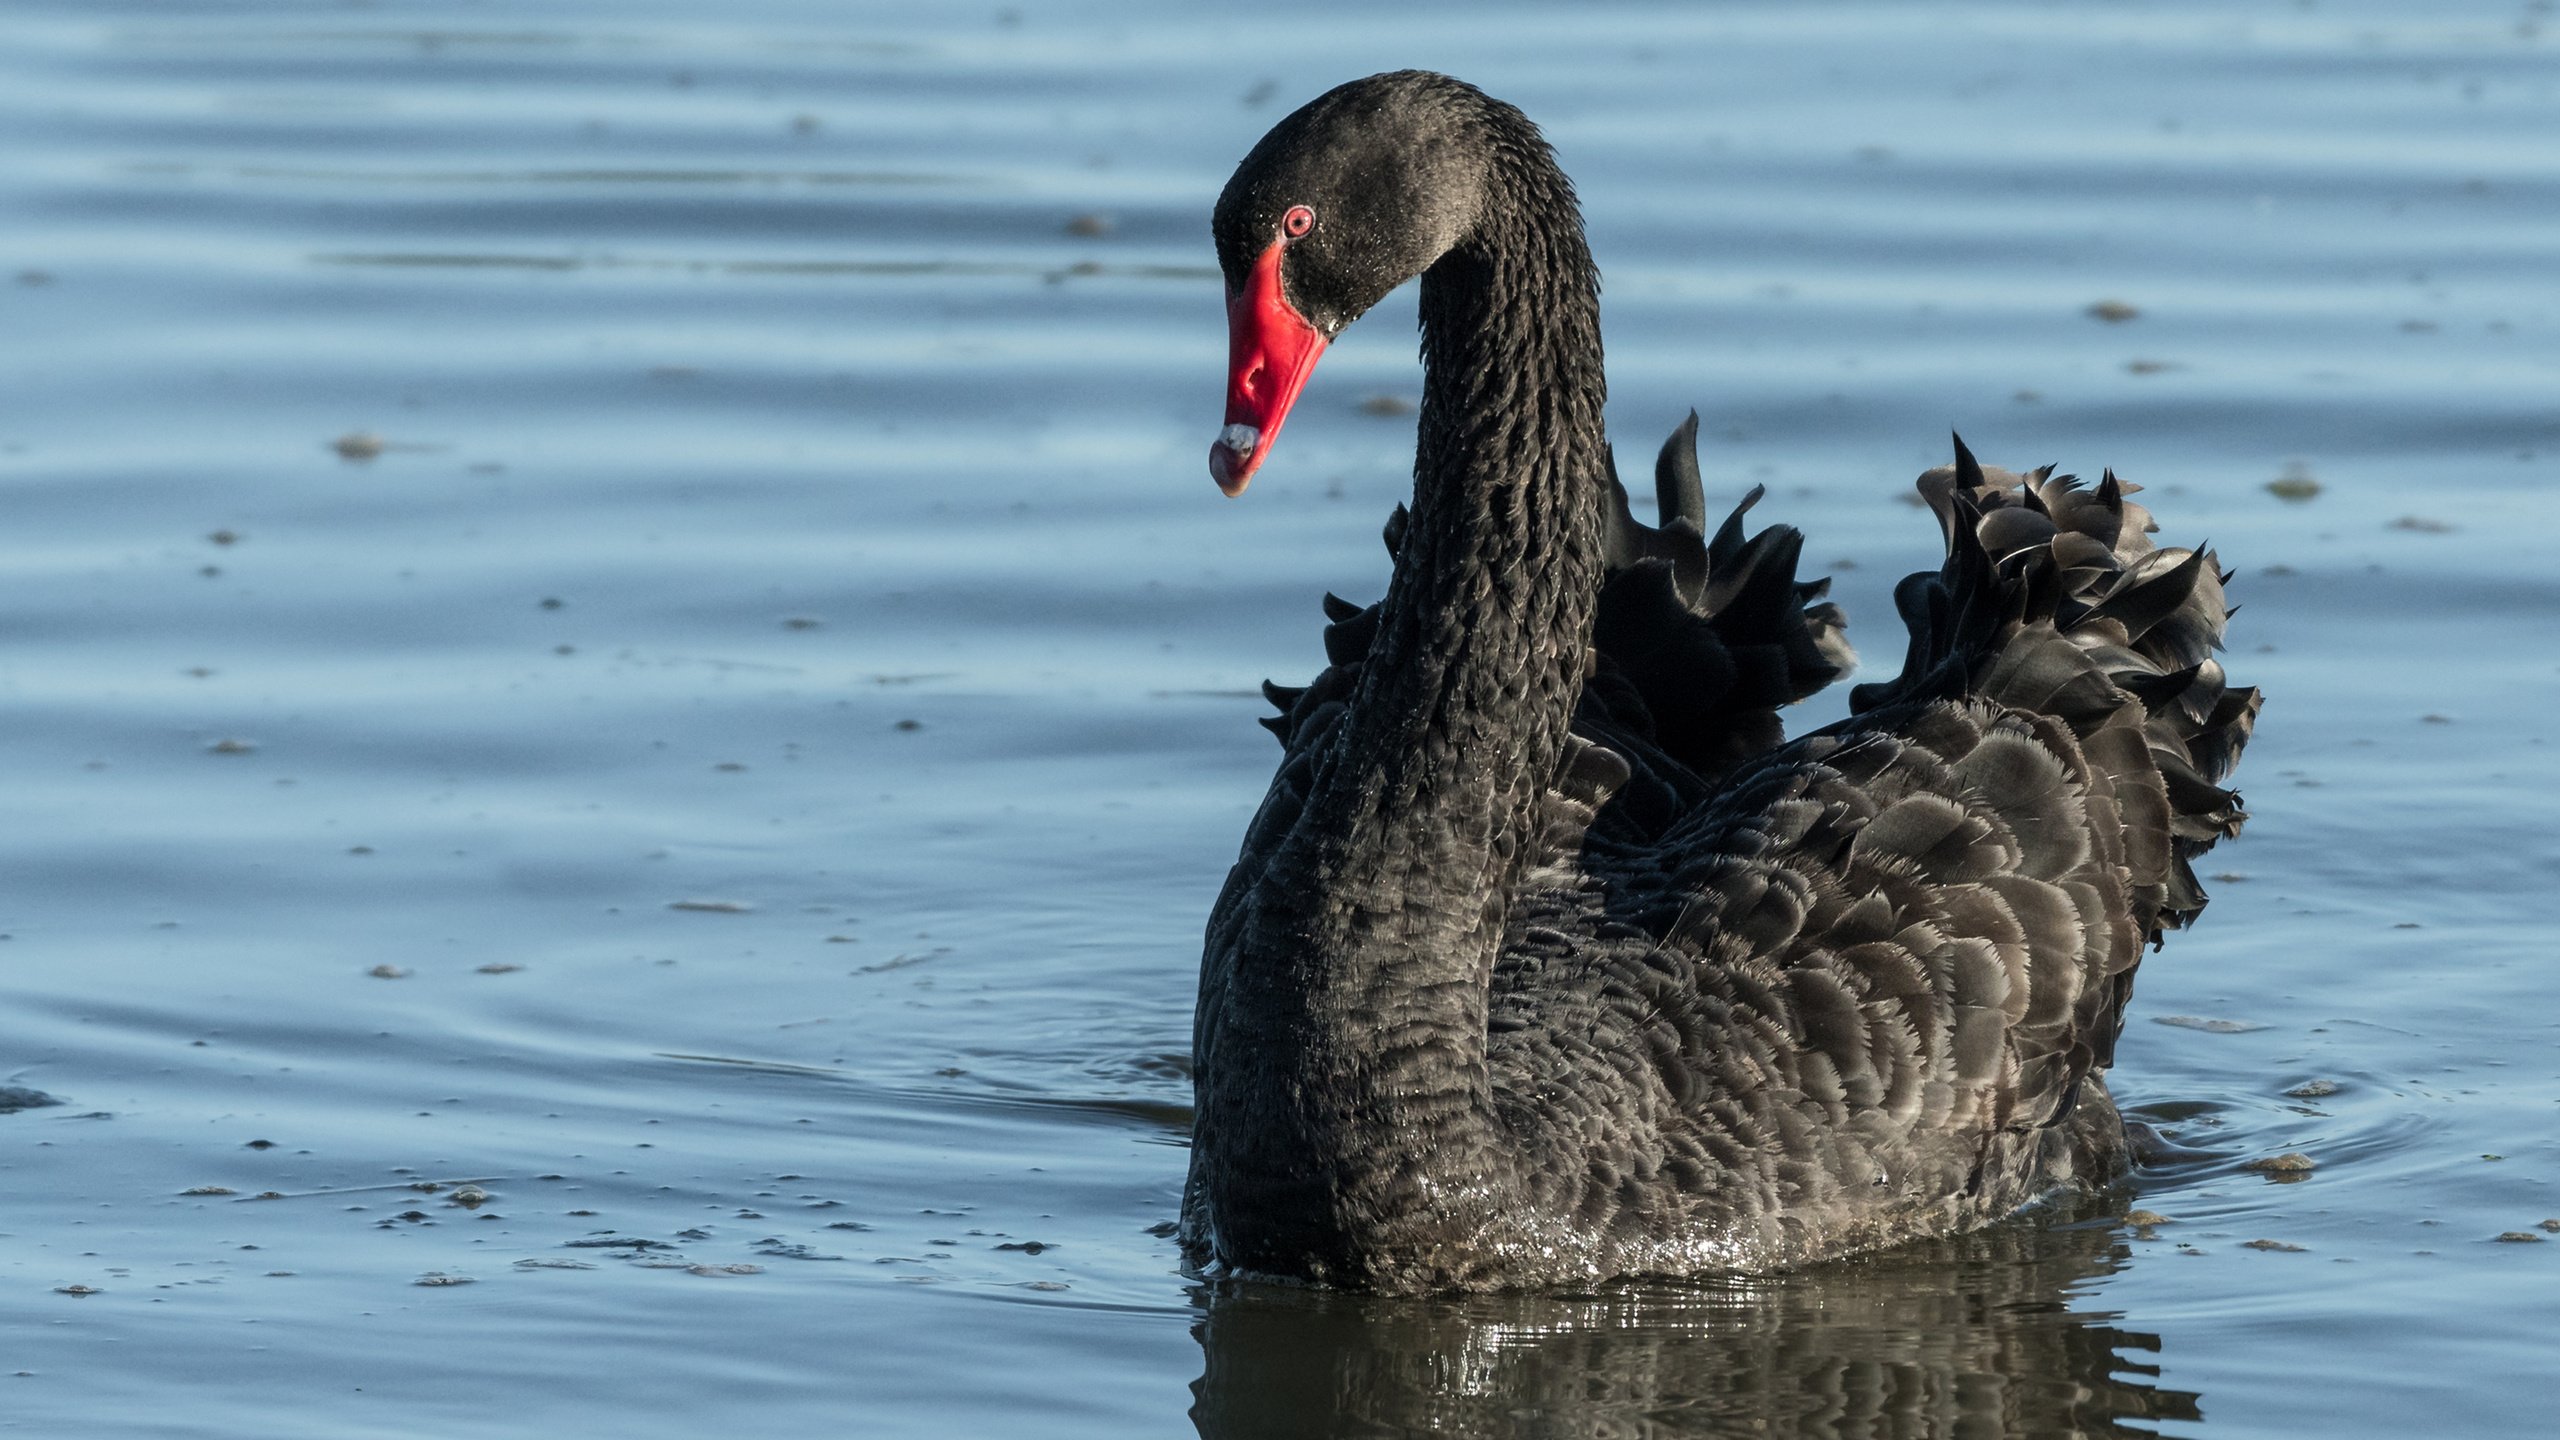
x=1344, y=1085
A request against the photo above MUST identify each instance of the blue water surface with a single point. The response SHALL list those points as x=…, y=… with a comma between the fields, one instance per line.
x=625, y=692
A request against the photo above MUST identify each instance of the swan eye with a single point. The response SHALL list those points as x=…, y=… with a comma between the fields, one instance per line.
x=1298, y=221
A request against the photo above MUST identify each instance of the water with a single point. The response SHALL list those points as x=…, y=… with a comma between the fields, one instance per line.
x=738, y=776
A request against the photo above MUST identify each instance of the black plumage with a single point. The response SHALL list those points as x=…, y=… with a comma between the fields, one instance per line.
x=1548, y=957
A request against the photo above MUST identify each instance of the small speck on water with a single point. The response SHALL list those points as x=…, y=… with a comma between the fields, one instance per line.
x=2151, y=367
x=224, y=537
x=2279, y=1246
x=2519, y=1237
x=2296, y=484
x=77, y=1290
x=499, y=967
x=388, y=972
x=2291, y=1164
x=358, y=445
x=1027, y=1247
x=2422, y=525
x=2432, y=718
x=801, y=622
x=209, y=1190
x=712, y=907
x=262, y=1144
x=2114, y=312
x=232, y=747
x=1044, y=1285
x=19, y=1097
x=438, y=1277
x=1089, y=226
x=2313, y=1089
x=908, y=725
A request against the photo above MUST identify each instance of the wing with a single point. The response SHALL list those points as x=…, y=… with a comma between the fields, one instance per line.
x=1869, y=979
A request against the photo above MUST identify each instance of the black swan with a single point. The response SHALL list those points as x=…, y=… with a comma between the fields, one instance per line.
x=1548, y=959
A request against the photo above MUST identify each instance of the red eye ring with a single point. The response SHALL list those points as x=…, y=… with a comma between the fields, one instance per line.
x=1297, y=222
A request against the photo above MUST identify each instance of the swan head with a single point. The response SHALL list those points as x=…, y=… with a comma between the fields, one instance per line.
x=1362, y=189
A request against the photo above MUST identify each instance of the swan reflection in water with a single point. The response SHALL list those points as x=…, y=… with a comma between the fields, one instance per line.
x=1980, y=1336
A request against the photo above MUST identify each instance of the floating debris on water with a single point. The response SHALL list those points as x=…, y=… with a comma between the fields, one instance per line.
x=2296, y=484
x=209, y=1190
x=77, y=1290
x=2284, y=1247
x=2208, y=1024
x=2292, y=1163
x=1090, y=226
x=2151, y=367
x=2114, y=312
x=18, y=1097
x=438, y=1277
x=232, y=747
x=2313, y=1089
x=499, y=967
x=712, y=907
x=358, y=445
x=2422, y=525
x=388, y=972
x=2519, y=1237
x=775, y=1249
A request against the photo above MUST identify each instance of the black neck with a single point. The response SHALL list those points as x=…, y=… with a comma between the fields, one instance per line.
x=1358, y=989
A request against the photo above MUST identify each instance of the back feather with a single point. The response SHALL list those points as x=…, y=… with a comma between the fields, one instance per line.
x=2054, y=601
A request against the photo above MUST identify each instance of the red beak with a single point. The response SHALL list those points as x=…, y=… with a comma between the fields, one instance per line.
x=1271, y=350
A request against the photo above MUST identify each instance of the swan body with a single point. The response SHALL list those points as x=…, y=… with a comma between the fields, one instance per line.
x=1548, y=958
